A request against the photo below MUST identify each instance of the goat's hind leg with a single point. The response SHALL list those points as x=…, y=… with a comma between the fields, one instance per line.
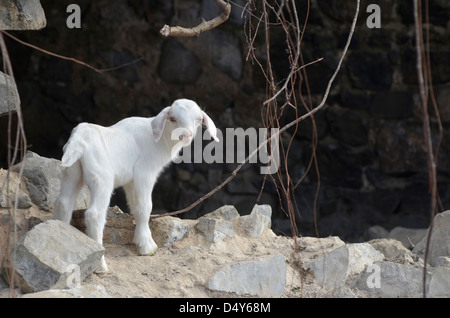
x=95, y=216
x=71, y=183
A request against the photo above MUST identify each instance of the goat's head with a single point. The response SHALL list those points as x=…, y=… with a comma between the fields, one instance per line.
x=182, y=118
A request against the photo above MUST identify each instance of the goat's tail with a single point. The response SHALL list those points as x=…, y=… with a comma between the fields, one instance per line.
x=75, y=146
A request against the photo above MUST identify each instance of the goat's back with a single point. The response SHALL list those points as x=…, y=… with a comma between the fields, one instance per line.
x=115, y=150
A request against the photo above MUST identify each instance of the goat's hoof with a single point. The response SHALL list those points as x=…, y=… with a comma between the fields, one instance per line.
x=103, y=269
x=148, y=249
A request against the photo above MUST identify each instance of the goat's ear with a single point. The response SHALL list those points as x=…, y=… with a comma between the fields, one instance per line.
x=158, y=123
x=209, y=124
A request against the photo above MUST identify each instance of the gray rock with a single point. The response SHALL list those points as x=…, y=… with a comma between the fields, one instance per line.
x=389, y=279
x=84, y=291
x=263, y=278
x=440, y=239
x=44, y=181
x=332, y=269
x=227, y=212
x=53, y=255
x=3, y=201
x=256, y=222
x=340, y=292
x=168, y=230
x=3, y=283
x=21, y=15
x=313, y=247
x=119, y=227
x=376, y=232
x=8, y=91
x=440, y=283
x=23, y=201
x=390, y=248
x=215, y=229
x=264, y=209
x=408, y=237
x=443, y=261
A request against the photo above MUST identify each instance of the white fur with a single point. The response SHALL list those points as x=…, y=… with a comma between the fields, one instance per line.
x=131, y=153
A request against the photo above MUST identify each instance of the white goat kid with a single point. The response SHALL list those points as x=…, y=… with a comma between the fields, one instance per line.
x=131, y=153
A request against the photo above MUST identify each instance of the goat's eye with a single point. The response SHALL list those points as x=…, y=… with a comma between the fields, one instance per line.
x=172, y=120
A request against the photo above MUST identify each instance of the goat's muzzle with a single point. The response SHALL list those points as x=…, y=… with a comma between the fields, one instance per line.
x=185, y=137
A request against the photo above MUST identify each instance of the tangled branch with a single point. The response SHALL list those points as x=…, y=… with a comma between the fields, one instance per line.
x=276, y=135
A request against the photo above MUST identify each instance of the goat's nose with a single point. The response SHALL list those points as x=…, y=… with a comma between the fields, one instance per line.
x=187, y=134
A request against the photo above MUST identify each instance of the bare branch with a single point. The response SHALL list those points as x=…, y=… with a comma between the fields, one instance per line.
x=178, y=31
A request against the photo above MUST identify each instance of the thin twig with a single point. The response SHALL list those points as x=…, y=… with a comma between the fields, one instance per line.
x=71, y=58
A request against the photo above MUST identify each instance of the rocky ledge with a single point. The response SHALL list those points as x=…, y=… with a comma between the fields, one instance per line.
x=221, y=254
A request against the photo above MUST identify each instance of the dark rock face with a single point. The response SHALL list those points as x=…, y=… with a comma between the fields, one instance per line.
x=349, y=127
x=178, y=65
x=400, y=148
x=370, y=154
x=392, y=105
x=370, y=71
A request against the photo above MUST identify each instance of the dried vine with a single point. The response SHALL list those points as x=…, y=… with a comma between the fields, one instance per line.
x=277, y=135
x=14, y=147
x=424, y=78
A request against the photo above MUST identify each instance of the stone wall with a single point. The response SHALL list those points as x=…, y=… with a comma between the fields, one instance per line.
x=370, y=153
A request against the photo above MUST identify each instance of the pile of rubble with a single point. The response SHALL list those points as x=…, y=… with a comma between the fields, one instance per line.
x=223, y=253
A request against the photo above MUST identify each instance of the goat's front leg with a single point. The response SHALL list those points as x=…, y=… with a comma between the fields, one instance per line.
x=142, y=234
x=140, y=202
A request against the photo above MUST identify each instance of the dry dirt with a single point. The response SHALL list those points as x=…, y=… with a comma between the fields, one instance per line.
x=184, y=269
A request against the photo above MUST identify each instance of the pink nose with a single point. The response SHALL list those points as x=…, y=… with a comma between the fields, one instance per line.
x=186, y=134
